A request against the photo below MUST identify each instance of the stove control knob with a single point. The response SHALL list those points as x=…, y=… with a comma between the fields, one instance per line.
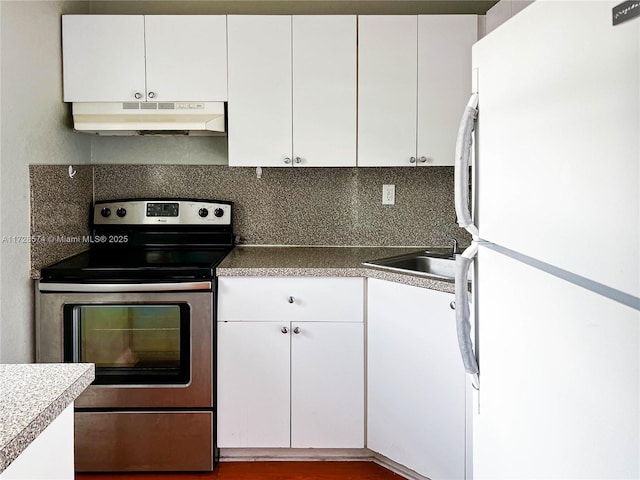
x=121, y=212
x=218, y=212
x=203, y=212
x=105, y=212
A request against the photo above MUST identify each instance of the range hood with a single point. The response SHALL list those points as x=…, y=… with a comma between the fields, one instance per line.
x=150, y=118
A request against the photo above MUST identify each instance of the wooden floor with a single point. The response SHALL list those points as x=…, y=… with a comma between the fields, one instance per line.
x=266, y=471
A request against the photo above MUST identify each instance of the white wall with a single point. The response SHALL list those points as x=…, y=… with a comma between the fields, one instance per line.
x=503, y=11
x=34, y=129
x=159, y=150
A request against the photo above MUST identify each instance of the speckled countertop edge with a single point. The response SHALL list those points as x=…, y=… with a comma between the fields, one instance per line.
x=33, y=395
x=283, y=261
x=318, y=261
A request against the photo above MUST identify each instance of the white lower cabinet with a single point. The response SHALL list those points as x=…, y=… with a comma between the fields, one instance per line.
x=253, y=385
x=415, y=380
x=49, y=456
x=286, y=383
x=327, y=385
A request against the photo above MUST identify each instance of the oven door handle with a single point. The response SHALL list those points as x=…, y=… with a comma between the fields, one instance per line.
x=124, y=287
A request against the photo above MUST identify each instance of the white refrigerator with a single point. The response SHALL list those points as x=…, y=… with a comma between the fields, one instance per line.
x=553, y=339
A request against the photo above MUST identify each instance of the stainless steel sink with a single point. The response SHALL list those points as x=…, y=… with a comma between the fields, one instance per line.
x=430, y=263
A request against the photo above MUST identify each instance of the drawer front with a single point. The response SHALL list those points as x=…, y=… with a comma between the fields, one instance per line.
x=144, y=441
x=299, y=299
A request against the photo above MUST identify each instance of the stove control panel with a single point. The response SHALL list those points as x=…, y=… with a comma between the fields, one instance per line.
x=162, y=212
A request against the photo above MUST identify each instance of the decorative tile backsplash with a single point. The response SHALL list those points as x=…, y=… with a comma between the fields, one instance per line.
x=286, y=206
x=59, y=212
x=306, y=206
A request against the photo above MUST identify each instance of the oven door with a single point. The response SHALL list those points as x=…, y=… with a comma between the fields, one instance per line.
x=152, y=347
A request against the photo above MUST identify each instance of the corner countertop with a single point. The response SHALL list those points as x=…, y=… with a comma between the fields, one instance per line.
x=33, y=395
x=285, y=261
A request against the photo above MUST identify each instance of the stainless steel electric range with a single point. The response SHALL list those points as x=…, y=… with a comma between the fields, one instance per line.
x=140, y=304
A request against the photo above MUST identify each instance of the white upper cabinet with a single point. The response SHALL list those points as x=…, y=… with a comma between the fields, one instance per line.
x=324, y=90
x=414, y=78
x=116, y=58
x=292, y=90
x=444, y=83
x=387, y=87
x=103, y=58
x=186, y=57
x=260, y=102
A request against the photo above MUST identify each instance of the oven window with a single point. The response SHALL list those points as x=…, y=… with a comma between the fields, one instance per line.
x=132, y=343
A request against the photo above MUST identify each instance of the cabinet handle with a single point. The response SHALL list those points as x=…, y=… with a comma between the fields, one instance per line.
x=152, y=95
x=298, y=160
x=287, y=160
x=291, y=300
x=412, y=160
x=138, y=95
x=297, y=330
x=452, y=305
x=423, y=159
x=284, y=330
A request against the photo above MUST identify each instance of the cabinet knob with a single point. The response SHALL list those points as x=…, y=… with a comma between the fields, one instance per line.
x=297, y=330
x=298, y=160
x=423, y=159
x=138, y=95
x=287, y=160
x=291, y=300
x=152, y=94
x=452, y=305
x=412, y=160
x=284, y=330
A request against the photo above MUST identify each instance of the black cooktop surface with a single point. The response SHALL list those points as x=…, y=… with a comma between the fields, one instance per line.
x=137, y=264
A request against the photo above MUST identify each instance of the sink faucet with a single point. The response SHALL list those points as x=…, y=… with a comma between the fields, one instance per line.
x=455, y=246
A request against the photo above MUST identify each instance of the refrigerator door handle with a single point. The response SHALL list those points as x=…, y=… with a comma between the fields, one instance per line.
x=464, y=142
x=463, y=325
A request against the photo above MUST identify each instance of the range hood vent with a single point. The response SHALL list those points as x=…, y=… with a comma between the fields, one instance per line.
x=150, y=118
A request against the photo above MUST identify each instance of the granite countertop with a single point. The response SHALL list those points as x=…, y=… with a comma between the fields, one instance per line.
x=33, y=395
x=277, y=261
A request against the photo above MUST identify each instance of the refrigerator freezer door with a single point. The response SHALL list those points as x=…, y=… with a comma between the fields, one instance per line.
x=560, y=372
x=558, y=170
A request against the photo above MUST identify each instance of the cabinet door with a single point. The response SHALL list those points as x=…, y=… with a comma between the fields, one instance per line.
x=49, y=456
x=186, y=57
x=253, y=384
x=260, y=102
x=327, y=385
x=416, y=380
x=387, y=90
x=324, y=90
x=444, y=83
x=103, y=58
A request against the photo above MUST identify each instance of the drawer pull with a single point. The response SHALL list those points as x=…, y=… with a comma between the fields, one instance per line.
x=291, y=300
x=297, y=330
x=284, y=330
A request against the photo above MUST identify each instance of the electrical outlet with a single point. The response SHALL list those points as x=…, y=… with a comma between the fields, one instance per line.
x=388, y=194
